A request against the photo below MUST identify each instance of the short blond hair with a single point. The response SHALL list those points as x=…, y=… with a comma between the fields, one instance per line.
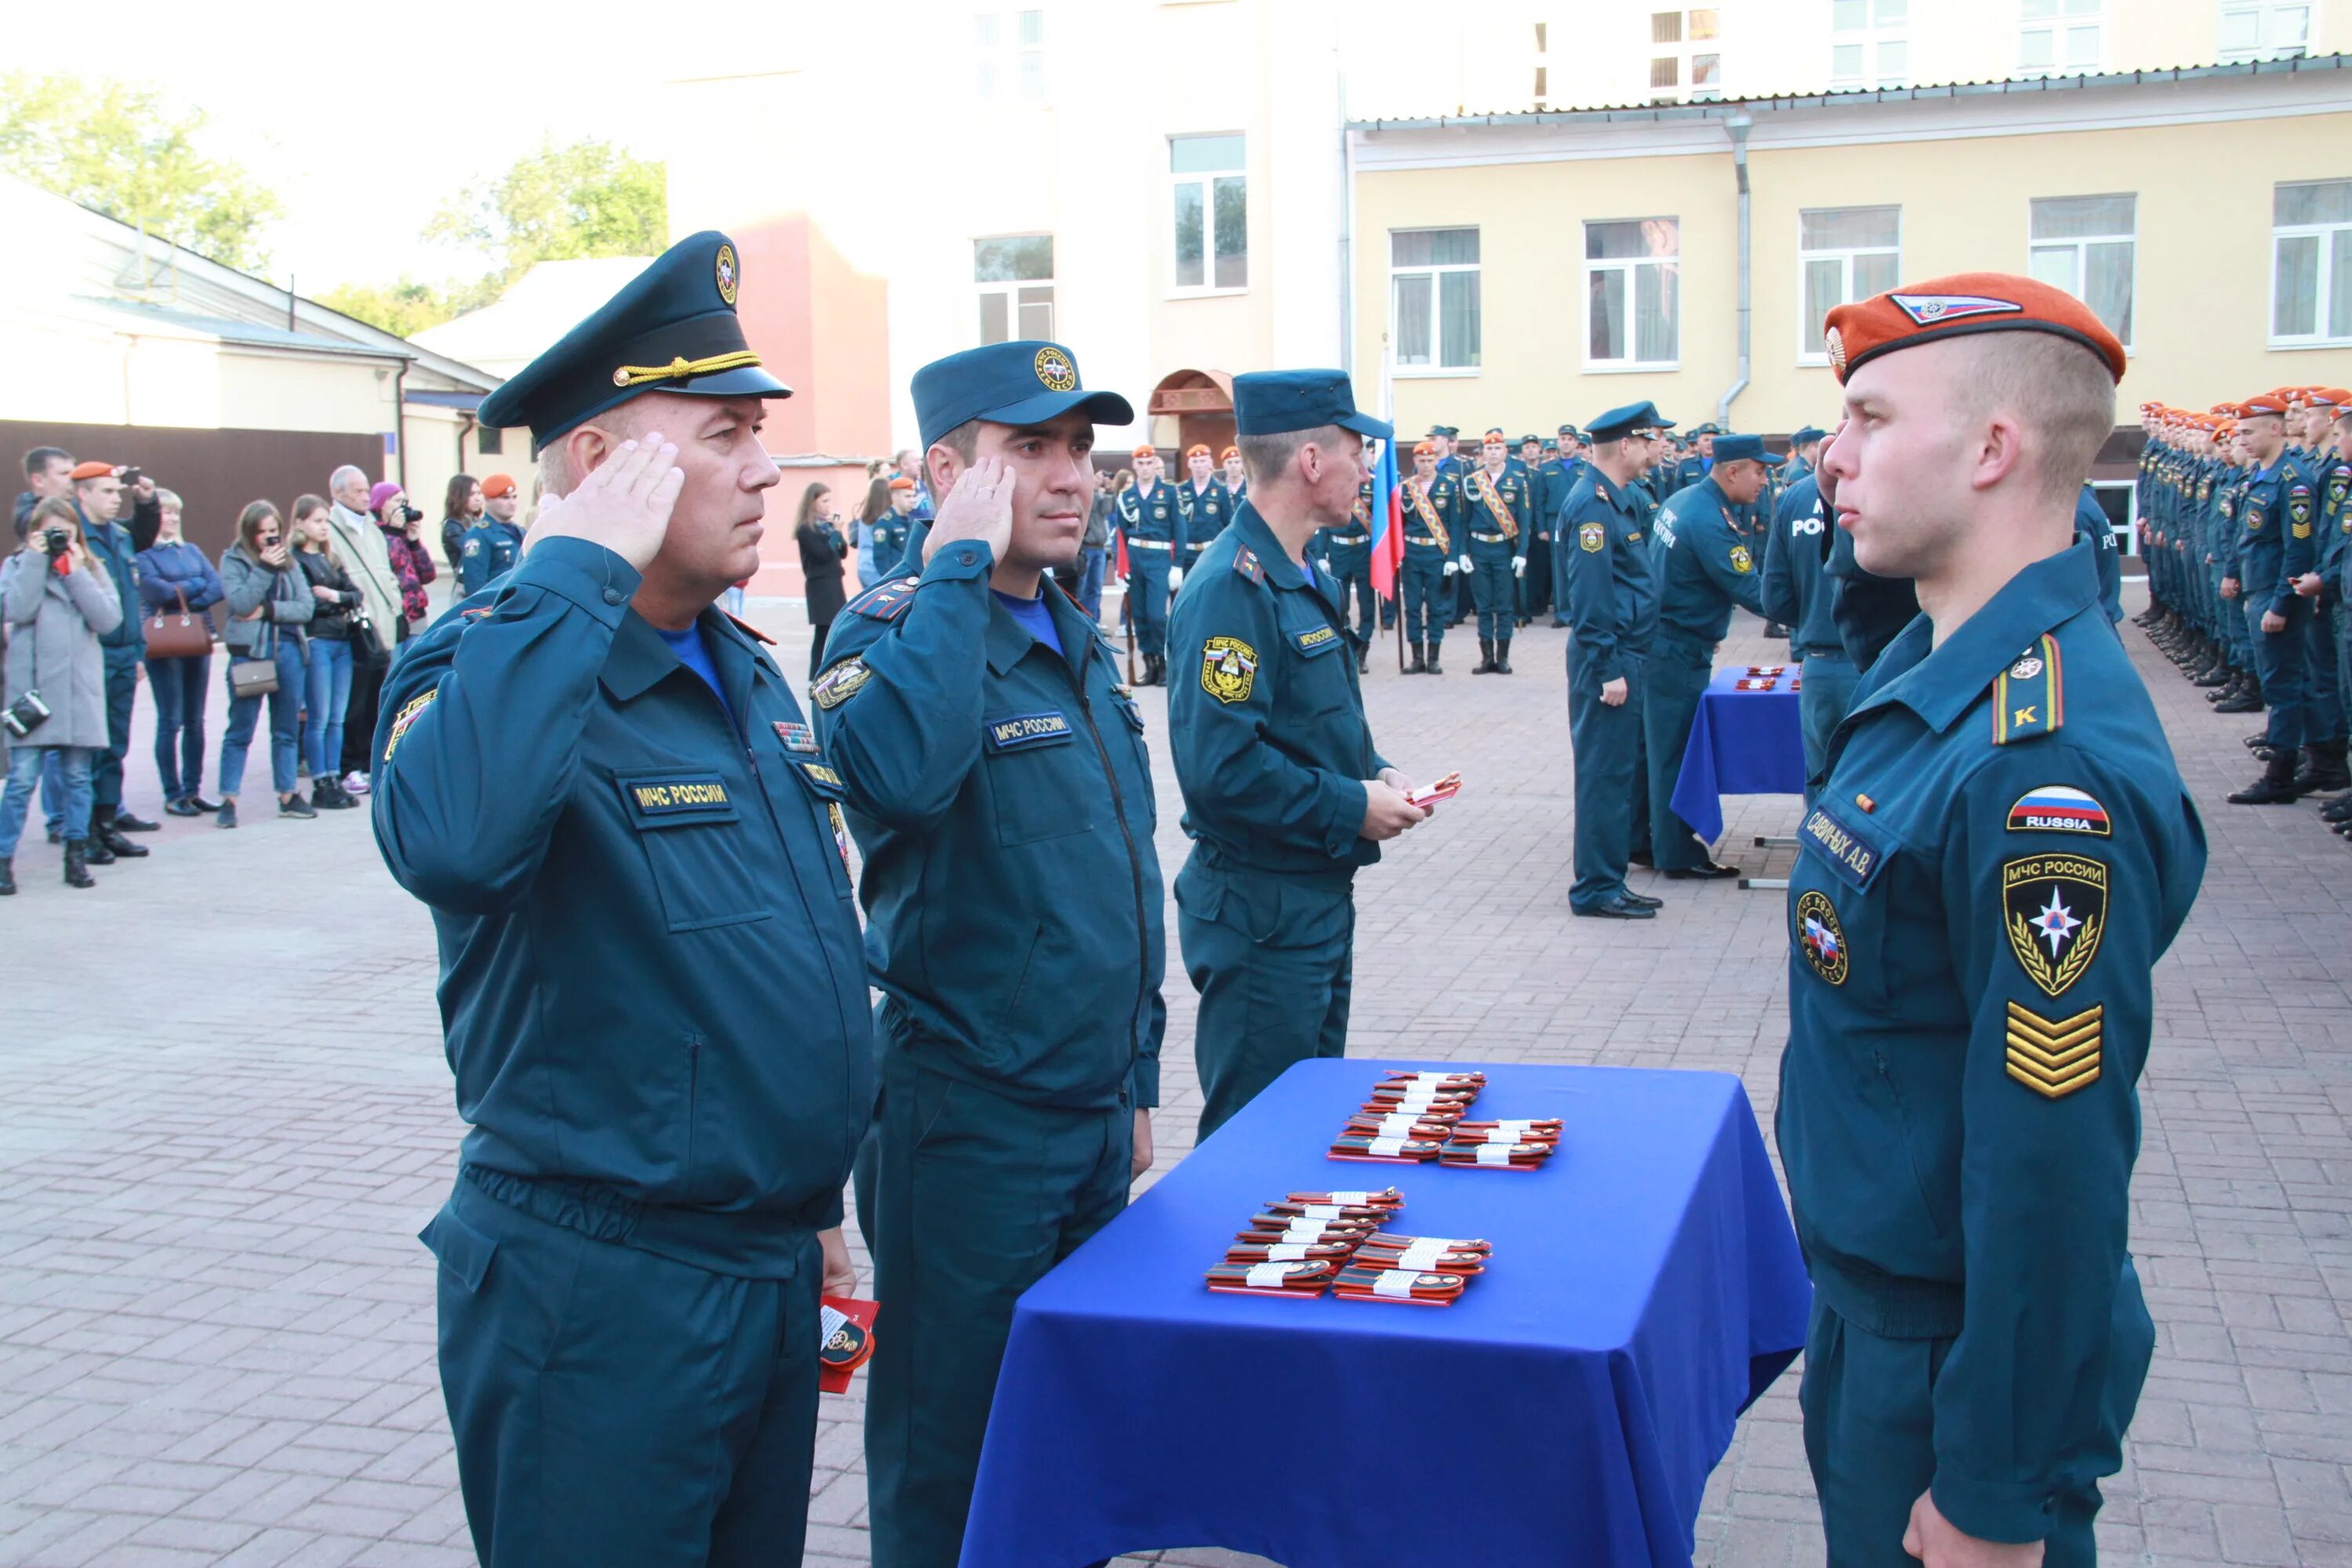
x=2061, y=392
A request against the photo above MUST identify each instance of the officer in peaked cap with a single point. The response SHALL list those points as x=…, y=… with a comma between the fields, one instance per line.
x=652, y=979
x=1285, y=794
x=1000, y=788
x=2000, y=852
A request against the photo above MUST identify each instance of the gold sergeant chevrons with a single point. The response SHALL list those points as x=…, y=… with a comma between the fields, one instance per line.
x=2054, y=1056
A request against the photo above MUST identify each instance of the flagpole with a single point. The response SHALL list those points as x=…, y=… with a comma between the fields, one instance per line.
x=1393, y=540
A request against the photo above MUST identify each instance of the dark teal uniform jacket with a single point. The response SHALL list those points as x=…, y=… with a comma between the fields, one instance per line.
x=486, y=553
x=651, y=977
x=2001, y=850
x=1004, y=808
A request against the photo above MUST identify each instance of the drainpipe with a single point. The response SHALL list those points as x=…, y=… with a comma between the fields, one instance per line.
x=1739, y=125
x=1347, y=237
x=400, y=423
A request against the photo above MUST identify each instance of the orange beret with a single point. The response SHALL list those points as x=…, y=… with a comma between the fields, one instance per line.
x=1496, y=435
x=1229, y=454
x=1961, y=304
x=1195, y=451
x=90, y=471
x=901, y=482
x=1145, y=452
x=2263, y=402
x=2332, y=397
x=498, y=485
x=1423, y=450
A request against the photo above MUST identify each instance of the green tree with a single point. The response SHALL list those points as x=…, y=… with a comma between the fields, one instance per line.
x=561, y=204
x=405, y=308
x=126, y=153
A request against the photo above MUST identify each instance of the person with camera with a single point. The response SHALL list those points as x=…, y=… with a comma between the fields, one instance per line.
x=270, y=604
x=175, y=579
x=327, y=658
x=58, y=601
x=403, y=544
x=360, y=545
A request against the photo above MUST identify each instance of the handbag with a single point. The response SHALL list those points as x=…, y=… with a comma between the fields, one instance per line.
x=367, y=647
x=181, y=635
x=255, y=676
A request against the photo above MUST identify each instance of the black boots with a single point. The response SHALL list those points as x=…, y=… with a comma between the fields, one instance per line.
x=1432, y=658
x=7, y=876
x=102, y=830
x=76, y=871
x=2244, y=697
x=1503, y=656
x=2275, y=787
x=1485, y=665
x=1155, y=670
x=1364, y=654
x=1420, y=665
x=2324, y=767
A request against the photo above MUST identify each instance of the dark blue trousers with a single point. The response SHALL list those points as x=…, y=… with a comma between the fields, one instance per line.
x=1146, y=598
x=1423, y=588
x=1822, y=697
x=2280, y=663
x=1273, y=960
x=611, y=1405
x=1607, y=745
x=1669, y=703
x=180, y=688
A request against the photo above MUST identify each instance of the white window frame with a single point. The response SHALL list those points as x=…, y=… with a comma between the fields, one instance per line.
x=1867, y=39
x=1817, y=353
x=2323, y=232
x=1684, y=52
x=1009, y=290
x=1206, y=179
x=1005, y=67
x=2263, y=11
x=2100, y=17
x=2081, y=243
x=1431, y=270
x=1631, y=365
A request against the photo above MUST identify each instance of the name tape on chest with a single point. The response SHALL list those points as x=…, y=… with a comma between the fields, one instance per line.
x=1019, y=730
x=675, y=796
x=1317, y=639
x=1846, y=848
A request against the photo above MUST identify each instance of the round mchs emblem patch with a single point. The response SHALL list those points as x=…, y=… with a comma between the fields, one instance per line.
x=1836, y=343
x=727, y=273
x=1820, y=938
x=1056, y=370
x=2026, y=668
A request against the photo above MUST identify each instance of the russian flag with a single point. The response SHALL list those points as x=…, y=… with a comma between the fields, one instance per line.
x=2059, y=808
x=1388, y=514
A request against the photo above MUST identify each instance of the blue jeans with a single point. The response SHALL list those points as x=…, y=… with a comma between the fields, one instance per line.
x=24, y=767
x=326, y=693
x=285, y=711
x=1090, y=582
x=179, y=686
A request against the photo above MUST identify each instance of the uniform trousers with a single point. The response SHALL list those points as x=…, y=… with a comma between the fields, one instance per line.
x=978, y=1195
x=2280, y=665
x=1607, y=745
x=611, y=1405
x=1424, y=582
x=1677, y=677
x=1146, y=598
x=121, y=689
x=1354, y=571
x=1494, y=590
x=1535, y=588
x=2343, y=650
x=1823, y=697
x=2327, y=694
x=1869, y=1418
x=1273, y=958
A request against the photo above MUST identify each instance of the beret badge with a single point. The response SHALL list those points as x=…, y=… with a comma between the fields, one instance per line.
x=1837, y=352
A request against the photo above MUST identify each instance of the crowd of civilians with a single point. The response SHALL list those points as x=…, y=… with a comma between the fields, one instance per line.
x=103, y=592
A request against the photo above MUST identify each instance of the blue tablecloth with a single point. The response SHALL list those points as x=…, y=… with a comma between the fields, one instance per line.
x=1646, y=1286
x=1741, y=742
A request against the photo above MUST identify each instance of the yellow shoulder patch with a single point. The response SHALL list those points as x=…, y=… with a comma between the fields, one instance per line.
x=405, y=718
x=1228, y=669
x=839, y=684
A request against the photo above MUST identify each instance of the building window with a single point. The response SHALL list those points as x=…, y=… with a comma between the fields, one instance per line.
x=1632, y=288
x=2060, y=38
x=489, y=440
x=2084, y=244
x=1211, y=210
x=1014, y=276
x=1009, y=56
x=1683, y=58
x=1844, y=254
x=2310, y=264
x=2264, y=29
x=1434, y=322
x=1870, y=43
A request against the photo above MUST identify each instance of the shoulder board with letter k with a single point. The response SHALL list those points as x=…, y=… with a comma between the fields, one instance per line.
x=2029, y=697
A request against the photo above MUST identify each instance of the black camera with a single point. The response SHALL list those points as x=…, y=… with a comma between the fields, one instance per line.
x=410, y=514
x=56, y=540
x=130, y=477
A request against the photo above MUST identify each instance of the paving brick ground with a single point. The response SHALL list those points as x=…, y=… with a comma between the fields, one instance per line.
x=226, y=1113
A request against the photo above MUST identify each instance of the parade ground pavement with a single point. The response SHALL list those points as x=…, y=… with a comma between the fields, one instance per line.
x=226, y=1114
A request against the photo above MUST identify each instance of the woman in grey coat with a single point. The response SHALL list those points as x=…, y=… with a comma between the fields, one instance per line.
x=268, y=602
x=58, y=600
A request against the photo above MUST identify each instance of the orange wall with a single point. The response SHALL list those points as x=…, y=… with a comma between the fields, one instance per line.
x=822, y=327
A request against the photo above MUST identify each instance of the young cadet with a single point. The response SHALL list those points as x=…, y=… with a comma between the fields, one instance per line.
x=1612, y=604
x=1285, y=794
x=1559, y=480
x=2275, y=544
x=1497, y=504
x=1208, y=506
x=490, y=548
x=2325, y=764
x=1345, y=550
x=1797, y=593
x=651, y=975
x=1431, y=524
x=2001, y=850
x=1000, y=789
x=1236, y=481
x=893, y=528
x=1151, y=522
x=1702, y=566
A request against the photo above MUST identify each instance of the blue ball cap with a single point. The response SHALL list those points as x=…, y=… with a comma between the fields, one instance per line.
x=1808, y=433
x=1269, y=402
x=1622, y=421
x=1737, y=448
x=672, y=329
x=1024, y=383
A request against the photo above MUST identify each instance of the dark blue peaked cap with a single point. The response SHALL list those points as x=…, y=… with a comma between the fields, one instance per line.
x=1271, y=402
x=672, y=329
x=1024, y=383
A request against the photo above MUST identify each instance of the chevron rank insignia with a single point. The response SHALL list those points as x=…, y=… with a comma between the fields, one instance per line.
x=2054, y=1056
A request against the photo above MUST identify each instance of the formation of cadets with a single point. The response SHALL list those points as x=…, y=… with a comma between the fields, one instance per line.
x=2245, y=526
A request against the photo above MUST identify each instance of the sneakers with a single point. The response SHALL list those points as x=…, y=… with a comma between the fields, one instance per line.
x=295, y=806
x=226, y=816
x=355, y=783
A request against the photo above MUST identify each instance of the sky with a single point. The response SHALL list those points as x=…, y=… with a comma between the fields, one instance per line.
x=365, y=117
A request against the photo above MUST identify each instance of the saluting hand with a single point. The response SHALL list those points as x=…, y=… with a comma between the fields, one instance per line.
x=979, y=507
x=624, y=504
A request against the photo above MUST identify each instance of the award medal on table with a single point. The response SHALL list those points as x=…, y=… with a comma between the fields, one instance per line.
x=1484, y=1156
x=1404, y=1287
x=1400, y=1124
x=1754, y=684
x=1387, y=1198
x=1386, y=1151
x=1546, y=1131
x=1301, y=1279
x=1263, y=1250
x=1421, y=1253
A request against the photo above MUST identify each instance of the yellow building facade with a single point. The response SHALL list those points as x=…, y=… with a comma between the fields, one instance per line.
x=2208, y=215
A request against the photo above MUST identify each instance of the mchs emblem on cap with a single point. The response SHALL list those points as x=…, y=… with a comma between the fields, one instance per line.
x=1837, y=353
x=725, y=267
x=1056, y=370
